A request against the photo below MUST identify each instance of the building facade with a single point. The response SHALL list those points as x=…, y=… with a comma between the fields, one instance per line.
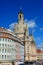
x=39, y=55
x=11, y=48
x=32, y=49
x=21, y=30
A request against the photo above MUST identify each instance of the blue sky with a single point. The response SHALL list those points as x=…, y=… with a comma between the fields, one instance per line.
x=33, y=13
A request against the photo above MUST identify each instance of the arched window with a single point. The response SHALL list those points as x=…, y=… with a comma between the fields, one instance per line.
x=20, y=16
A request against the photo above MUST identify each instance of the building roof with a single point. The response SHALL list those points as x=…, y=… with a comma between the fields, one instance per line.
x=39, y=51
x=2, y=29
x=8, y=31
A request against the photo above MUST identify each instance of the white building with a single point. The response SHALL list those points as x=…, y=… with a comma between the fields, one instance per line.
x=11, y=48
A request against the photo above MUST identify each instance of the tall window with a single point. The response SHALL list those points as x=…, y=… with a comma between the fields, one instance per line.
x=0, y=39
x=3, y=39
x=5, y=50
x=8, y=40
x=20, y=16
x=2, y=56
x=2, y=44
x=2, y=50
x=5, y=56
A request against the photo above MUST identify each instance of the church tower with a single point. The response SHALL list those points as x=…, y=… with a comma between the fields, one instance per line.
x=20, y=26
x=20, y=17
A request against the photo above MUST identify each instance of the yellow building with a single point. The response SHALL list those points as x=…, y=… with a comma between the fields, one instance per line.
x=21, y=30
x=32, y=49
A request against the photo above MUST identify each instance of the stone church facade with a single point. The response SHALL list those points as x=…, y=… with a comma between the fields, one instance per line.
x=21, y=30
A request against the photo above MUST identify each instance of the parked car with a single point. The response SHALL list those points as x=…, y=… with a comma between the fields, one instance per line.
x=28, y=63
x=21, y=64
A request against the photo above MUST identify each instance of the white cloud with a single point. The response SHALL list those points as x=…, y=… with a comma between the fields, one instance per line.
x=11, y=26
x=38, y=38
x=40, y=46
x=9, y=30
x=31, y=23
x=41, y=28
x=33, y=30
